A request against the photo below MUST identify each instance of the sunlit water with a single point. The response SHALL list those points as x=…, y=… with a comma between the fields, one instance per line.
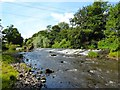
x=73, y=71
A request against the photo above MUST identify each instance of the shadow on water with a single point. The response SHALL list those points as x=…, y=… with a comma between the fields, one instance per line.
x=73, y=71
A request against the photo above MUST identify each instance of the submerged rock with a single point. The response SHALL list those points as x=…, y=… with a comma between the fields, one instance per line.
x=27, y=60
x=48, y=71
x=53, y=55
x=61, y=61
x=50, y=51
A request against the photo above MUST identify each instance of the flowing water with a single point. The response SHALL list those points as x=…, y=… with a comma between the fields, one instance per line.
x=73, y=71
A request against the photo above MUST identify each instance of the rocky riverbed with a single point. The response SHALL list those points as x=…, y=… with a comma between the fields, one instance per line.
x=30, y=77
x=26, y=77
x=65, y=68
x=72, y=71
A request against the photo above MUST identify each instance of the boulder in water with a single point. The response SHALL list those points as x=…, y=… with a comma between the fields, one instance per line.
x=53, y=55
x=48, y=71
x=62, y=61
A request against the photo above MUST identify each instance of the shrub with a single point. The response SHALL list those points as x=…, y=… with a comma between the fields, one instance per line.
x=114, y=54
x=62, y=44
x=12, y=47
x=109, y=43
x=92, y=46
x=93, y=54
x=56, y=45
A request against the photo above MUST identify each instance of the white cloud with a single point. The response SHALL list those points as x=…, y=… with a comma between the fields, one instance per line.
x=62, y=17
x=29, y=26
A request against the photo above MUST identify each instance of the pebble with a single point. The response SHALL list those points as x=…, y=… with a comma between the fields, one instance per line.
x=26, y=74
x=43, y=81
x=107, y=72
x=100, y=70
x=92, y=71
x=111, y=82
x=27, y=78
x=26, y=82
x=38, y=78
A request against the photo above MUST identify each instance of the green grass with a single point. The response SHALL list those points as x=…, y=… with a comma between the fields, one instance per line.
x=8, y=74
x=92, y=54
x=7, y=58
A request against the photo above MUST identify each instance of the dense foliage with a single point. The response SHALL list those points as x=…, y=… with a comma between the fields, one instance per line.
x=93, y=26
x=12, y=36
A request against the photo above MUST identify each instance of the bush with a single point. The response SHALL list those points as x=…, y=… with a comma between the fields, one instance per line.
x=93, y=54
x=12, y=47
x=109, y=43
x=62, y=44
x=56, y=45
x=114, y=54
x=92, y=46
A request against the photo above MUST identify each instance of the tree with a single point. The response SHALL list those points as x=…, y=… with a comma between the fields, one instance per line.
x=53, y=34
x=12, y=35
x=92, y=18
x=63, y=25
x=40, y=41
x=112, y=31
x=113, y=23
x=49, y=28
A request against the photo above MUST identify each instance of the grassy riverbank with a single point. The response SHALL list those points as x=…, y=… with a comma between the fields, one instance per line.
x=8, y=74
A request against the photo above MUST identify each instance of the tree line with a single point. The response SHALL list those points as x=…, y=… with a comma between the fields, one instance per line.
x=93, y=26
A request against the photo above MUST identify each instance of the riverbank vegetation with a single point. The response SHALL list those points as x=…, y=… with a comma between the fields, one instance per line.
x=93, y=54
x=9, y=74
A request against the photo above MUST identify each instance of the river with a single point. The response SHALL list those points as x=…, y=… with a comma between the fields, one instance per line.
x=72, y=71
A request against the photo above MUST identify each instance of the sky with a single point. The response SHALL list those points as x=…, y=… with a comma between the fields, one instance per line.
x=31, y=16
